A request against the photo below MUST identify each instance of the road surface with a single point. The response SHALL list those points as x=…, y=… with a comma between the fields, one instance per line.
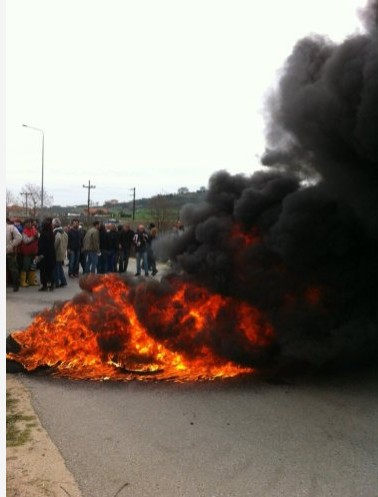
x=305, y=438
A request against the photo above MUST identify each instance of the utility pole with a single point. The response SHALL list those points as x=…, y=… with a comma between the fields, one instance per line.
x=133, y=189
x=26, y=201
x=89, y=186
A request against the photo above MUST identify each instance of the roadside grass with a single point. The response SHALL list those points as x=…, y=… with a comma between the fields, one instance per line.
x=18, y=426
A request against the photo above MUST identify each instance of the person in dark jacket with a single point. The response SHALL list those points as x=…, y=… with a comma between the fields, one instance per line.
x=102, y=258
x=46, y=256
x=152, y=234
x=119, y=255
x=140, y=242
x=126, y=235
x=83, y=255
x=113, y=243
x=74, y=248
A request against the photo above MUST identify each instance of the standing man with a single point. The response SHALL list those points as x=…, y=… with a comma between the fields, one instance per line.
x=60, y=245
x=150, y=251
x=102, y=267
x=140, y=241
x=46, y=256
x=91, y=245
x=75, y=245
x=13, y=240
x=126, y=236
x=113, y=243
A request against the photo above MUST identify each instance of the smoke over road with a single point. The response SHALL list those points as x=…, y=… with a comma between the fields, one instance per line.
x=310, y=263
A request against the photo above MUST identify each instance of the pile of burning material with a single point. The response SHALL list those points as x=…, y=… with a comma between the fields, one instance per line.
x=120, y=330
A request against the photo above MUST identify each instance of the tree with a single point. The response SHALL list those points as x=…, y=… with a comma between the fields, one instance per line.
x=161, y=212
x=10, y=200
x=34, y=194
x=183, y=190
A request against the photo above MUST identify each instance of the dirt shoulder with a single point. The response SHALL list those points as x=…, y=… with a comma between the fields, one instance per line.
x=34, y=466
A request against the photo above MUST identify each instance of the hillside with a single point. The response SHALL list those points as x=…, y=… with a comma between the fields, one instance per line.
x=163, y=210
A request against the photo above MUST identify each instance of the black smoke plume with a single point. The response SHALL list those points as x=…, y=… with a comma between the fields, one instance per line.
x=311, y=261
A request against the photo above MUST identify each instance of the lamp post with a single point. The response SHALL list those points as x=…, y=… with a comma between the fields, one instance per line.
x=133, y=190
x=43, y=154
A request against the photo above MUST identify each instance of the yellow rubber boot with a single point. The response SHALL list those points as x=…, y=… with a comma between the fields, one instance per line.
x=32, y=278
x=23, y=282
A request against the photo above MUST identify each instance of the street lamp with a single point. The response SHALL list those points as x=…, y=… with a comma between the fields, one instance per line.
x=43, y=153
x=133, y=190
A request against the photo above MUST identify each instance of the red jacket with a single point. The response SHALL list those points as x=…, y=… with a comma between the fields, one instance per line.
x=29, y=245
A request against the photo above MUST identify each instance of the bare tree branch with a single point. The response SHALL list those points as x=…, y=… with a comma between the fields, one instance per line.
x=34, y=194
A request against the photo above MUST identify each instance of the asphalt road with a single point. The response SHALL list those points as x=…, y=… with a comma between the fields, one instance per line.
x=306, y=438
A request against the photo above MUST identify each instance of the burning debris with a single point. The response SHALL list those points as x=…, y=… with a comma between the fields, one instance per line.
x=279, y=267
x=119, y=329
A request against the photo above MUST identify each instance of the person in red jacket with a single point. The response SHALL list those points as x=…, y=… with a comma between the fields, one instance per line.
x=28, y=249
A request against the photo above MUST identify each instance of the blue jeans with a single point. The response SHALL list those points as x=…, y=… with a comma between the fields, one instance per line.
x=91, y=262
x=124, y=260
x=139, y=257
x=59, y=276
x=111, y=261
x=74, y=259
x=101, y=263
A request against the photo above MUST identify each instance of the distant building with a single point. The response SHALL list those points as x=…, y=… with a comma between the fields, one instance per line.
x=96, y=211
x=111, y=203
x=18, y=212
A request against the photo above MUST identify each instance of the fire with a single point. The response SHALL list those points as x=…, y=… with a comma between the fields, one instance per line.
x=244, y=239
x=313, y=295
x=172, y=330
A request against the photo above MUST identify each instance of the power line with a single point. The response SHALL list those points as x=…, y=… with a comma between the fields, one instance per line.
x=26, y=200
x=89, y=186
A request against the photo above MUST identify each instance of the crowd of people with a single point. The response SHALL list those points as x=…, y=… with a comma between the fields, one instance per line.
x=45, y=248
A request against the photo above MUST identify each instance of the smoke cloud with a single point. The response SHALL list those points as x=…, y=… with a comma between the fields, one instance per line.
x=299, y=239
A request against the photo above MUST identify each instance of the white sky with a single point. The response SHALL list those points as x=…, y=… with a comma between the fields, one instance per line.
x=151, y=94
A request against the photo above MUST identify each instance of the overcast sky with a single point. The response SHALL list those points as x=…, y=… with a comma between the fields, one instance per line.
x=151, y=94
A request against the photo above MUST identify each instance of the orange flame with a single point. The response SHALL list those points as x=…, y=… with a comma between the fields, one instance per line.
x=313, y=295
x=245, y=239
x=172, y=330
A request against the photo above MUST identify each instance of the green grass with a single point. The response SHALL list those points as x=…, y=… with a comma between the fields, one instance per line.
x=18, y=426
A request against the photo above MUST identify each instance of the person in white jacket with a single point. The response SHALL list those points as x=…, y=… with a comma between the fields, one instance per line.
x=60, y=245
x=13, y=240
